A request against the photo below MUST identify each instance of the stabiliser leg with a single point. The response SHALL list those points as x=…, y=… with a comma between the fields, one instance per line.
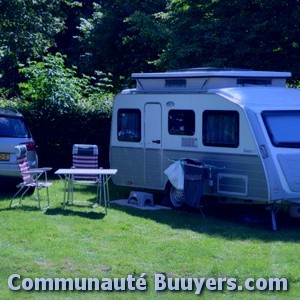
x=273, y=208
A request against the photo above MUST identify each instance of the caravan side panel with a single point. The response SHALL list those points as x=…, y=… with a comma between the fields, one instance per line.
x=133, y=170
x=244, y=174
x=141, y=162
x=130, y=165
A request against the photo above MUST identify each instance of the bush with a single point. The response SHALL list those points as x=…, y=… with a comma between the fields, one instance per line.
x=63, y=109
x=56, y=134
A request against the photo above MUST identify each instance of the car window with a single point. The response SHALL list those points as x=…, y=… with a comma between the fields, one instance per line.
x=13, y=127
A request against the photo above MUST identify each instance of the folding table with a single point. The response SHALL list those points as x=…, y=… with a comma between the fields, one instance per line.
x=104, y=175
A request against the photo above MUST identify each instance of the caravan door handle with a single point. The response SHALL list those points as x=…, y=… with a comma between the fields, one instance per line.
x=156, y=141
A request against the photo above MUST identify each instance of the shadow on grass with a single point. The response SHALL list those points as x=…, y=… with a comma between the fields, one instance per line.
x=71, y=212
x=227, y=221
x=20, y=207
x=6, y=194
x=94, y=215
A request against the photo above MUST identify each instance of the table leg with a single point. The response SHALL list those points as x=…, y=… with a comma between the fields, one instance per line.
x=65, y=191
x=71, y=189
x=106, y=192
x=100, y=190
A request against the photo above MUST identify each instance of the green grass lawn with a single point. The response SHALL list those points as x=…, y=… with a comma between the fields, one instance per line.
x=80, y=242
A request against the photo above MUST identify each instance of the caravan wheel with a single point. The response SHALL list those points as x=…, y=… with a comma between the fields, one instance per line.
x=176, y=197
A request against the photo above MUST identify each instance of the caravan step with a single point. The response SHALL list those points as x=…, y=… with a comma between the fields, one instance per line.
x=141, y=198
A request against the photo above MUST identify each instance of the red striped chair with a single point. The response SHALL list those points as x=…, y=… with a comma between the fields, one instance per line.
x=31, y=178
x=84, y=157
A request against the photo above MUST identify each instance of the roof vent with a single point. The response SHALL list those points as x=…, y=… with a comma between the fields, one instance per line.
x=175, y=83
x=254, y=81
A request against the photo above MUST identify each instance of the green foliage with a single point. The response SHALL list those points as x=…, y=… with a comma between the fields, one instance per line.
x=294, y=84
x=50, y=85
x=158, y=35
x=27, y=30
x=63, y=109
x=122, y=37
x=245, y=34
x=55, y=134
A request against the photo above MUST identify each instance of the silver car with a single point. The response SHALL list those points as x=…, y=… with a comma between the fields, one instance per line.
x=13, y=132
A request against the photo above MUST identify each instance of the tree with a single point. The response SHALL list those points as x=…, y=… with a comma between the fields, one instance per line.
x=51, y=88
x=27, y=30
x=66, y=40
x=122, y=37
x=62, y=108
x=237, y=33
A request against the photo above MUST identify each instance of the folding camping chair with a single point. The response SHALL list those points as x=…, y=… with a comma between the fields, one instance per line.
x=31, y=178
x=84, y=156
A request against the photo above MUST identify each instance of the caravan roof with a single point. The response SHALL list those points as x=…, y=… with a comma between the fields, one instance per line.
x=210, y=73
x=203, y=79
x=261, y=98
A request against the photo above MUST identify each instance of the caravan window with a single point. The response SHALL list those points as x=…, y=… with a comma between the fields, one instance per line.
x=129, y=125
x=181, y=122
x=220, y=128
x=283, y=127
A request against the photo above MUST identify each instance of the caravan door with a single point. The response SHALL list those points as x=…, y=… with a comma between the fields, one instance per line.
x=153, y=145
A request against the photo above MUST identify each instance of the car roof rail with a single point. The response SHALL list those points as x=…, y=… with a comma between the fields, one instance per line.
x=10, y=111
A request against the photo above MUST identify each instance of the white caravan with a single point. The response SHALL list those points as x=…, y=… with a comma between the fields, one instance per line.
x=245, y=124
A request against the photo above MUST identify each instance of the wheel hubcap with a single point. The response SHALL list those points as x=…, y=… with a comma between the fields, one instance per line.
x=176, y=197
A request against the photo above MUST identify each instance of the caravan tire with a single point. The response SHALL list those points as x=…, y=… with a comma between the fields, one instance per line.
x=176, y=197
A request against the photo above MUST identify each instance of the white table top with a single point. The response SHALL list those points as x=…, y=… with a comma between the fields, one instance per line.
x=74, y=171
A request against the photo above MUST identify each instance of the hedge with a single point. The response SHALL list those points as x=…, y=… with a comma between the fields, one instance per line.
x=55, y=135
